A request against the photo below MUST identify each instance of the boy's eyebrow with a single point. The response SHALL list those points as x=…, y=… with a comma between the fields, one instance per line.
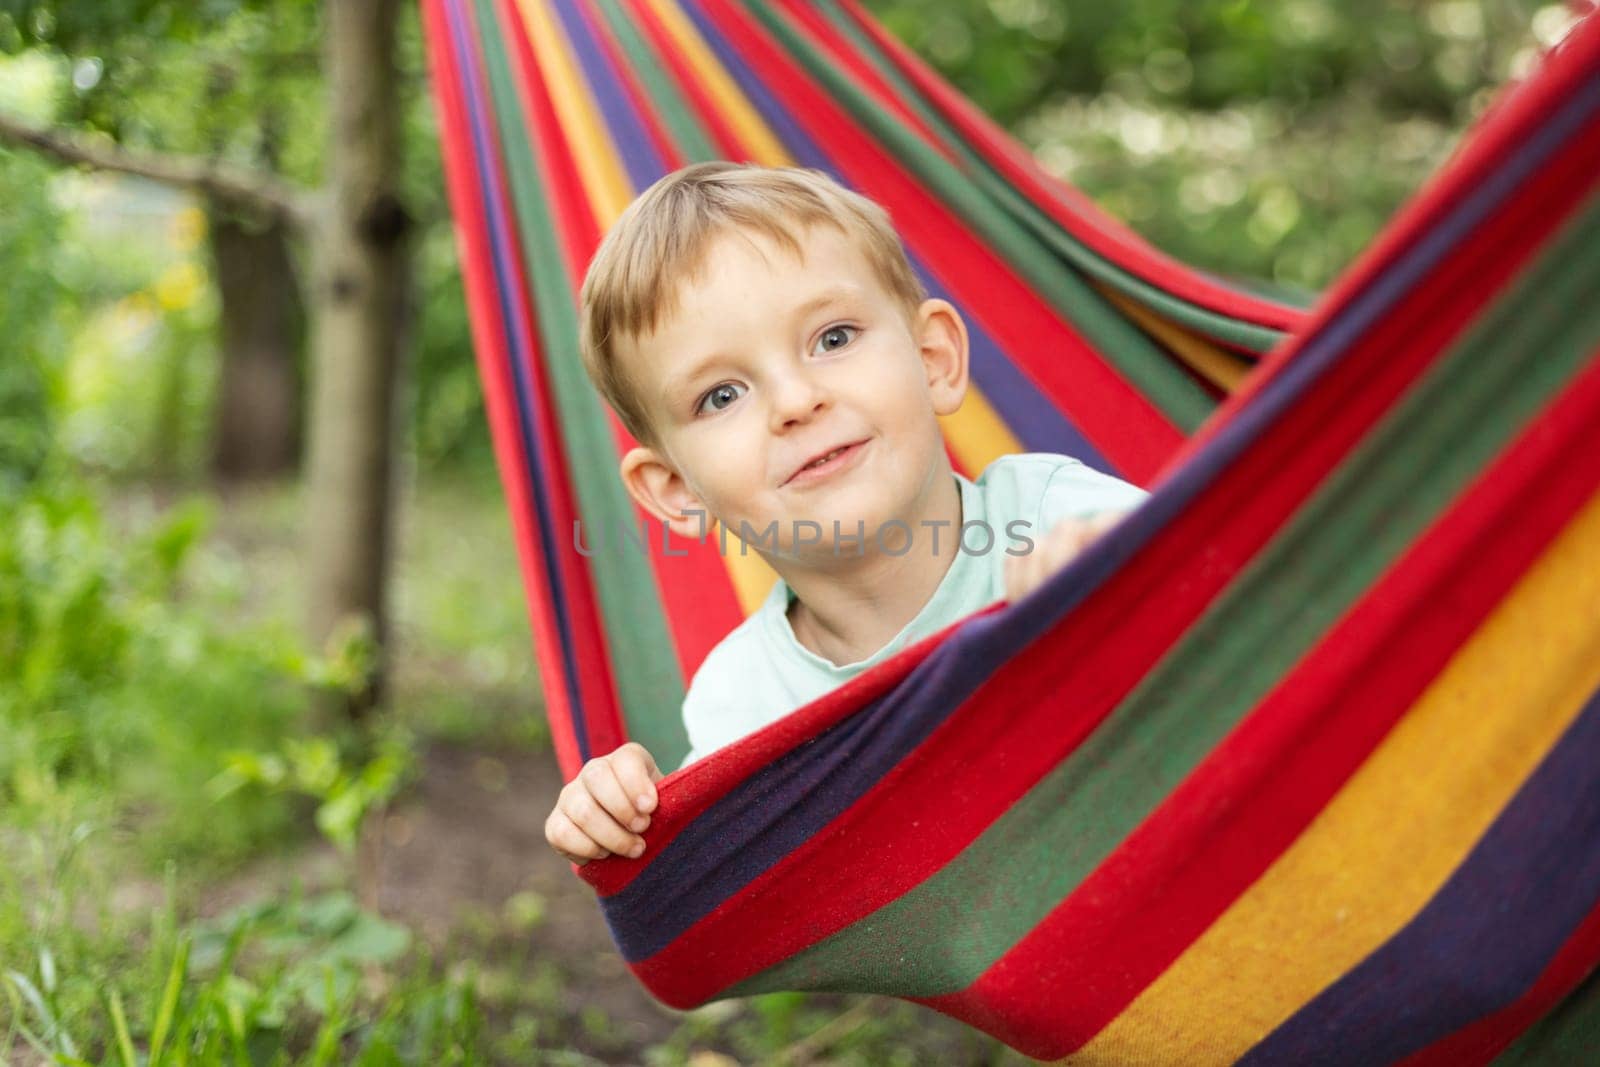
x=677, y=383
x=826, y=297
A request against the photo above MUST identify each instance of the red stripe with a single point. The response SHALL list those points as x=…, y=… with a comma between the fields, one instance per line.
x=1066, y=205
x=1101, y=651
x=1128, y=430
x=1488, y=1037
x=1254, y=795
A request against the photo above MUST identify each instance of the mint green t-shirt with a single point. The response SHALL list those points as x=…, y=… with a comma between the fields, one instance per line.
x=760, y=672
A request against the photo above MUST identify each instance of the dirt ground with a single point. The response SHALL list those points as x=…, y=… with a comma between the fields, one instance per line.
x=460, y=859
x=470, y=837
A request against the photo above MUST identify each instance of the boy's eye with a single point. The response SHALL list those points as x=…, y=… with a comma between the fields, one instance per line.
x=836, y=337
x=719, y=397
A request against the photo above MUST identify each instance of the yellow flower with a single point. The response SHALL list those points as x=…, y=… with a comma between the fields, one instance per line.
x=179, y=286
x=188, y=229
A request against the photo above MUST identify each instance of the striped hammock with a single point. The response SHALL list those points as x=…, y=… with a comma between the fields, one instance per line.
x=1302, y=764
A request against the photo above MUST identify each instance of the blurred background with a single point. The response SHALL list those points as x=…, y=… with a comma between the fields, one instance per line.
x=269, y=823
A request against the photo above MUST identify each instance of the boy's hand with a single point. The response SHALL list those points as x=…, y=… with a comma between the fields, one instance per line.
x=1055, y=550
x=604, y=809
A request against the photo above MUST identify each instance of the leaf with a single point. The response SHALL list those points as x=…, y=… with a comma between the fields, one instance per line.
x=315, y=763
x=370, y=940
x=329, y=913
x=53, y=1031
x=47, y=971
x=169, y=999
x=339, y=817
x=119, y=1025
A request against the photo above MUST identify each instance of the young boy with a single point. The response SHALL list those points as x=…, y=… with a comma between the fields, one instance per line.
x=761, y=334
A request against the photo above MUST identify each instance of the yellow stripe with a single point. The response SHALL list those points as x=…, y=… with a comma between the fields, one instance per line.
x=1217, y=365
x=751, y=576
x=752, y=131
x=1391, y=837
x=599, y=168
x=976, y=434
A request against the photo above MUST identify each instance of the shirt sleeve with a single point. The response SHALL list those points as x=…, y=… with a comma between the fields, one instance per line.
x=1075, y=490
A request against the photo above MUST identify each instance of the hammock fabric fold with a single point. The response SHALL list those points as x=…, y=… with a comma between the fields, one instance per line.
x=1301, y=763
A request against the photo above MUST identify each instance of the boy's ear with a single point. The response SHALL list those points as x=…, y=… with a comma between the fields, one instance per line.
x=662, y=491
x=942, y=343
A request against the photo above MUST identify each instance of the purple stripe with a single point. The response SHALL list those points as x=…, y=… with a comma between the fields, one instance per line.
x=1484, y=938
x=628, y=132
x=783, y=804
x=519, y=344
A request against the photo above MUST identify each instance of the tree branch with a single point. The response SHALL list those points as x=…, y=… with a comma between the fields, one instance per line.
x=233, y=185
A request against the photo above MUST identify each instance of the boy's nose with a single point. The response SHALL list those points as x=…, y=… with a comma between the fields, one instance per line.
x=795, y=399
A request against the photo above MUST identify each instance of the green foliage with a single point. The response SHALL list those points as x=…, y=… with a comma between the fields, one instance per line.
x=448, y=427
x=32, y=312
x=281, y=982
x=314, y=767
x=114, y=675
x=149, y=734
x=1255, y=191
x=237, y=81
x=1415, y=57
x=74, y=23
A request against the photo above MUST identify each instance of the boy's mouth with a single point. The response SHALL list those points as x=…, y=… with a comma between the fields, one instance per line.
x=824, y=462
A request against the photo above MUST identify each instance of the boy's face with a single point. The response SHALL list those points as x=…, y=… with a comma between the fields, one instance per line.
x=769, y=363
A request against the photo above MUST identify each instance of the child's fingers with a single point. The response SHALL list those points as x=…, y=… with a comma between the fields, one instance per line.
x=565, y=837
x=1065, y=541
x=1010, y=572
x=1018, y=570
x=598, y=824
x=637, y=773
x=1053, y=553
x=599, y=777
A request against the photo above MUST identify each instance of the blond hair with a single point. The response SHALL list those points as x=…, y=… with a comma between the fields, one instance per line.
x=662, y=238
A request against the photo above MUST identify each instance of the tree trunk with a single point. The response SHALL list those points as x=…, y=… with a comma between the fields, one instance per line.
x=361, y=301
x=258, y=410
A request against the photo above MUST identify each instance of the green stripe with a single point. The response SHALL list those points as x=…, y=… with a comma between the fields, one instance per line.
x=1123, y=345
x=649, y=682
x=1568, y=1034
x=1070, y=250
x=682, y=122
x=941, y=936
